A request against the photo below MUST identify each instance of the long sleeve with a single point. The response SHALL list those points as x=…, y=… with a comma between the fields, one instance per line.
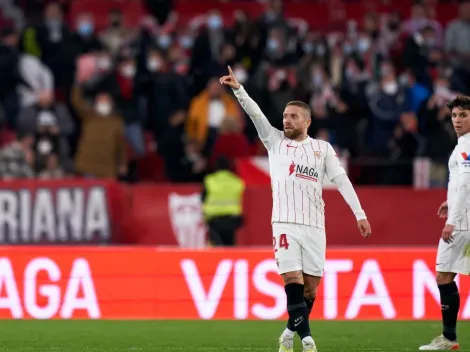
x=462, y=194
x=461, y=201
x=346, y=189
x=267, y=133
x=80, y=104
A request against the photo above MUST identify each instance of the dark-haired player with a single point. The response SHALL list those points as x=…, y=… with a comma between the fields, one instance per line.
x=298, y=164
x=453, y=253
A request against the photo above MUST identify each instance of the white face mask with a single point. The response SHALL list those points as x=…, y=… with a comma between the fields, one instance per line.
x=153, y=65
x=317, y=79
x=363, y=45
x=390, y=88
x=241, y=75
x=44, y=146
x=103, y=63
x=103, y=108
x=128, y=71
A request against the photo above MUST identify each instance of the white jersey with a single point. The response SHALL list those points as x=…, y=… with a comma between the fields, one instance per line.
x=297, y=170
x=459, y=173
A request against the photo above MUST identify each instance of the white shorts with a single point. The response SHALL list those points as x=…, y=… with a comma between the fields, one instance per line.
x=454, y=257
x=299, y=248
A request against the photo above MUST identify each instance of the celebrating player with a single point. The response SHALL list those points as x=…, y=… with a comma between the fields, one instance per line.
x=298, y=165
x=453, y=253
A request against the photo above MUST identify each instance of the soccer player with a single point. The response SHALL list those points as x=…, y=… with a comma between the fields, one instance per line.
x=453, y=252
x=298, y=164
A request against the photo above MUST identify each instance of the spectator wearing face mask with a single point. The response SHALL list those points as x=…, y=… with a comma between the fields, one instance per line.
x=84, y=37
x=104, y=62
x=435, y=123
x=277, y=52
x=52, y=42
x=116, y=33
x=126, y=101
x=404, y=145
x=247, y=40
x=419, y=20
x=415, y=92
x=207, y=112
x=46, y=111
x=421, y=54
x=165, y=94
x=102, y=148
x=47, y=141
x=386, y=101
x=457, y=45
x=207, y=48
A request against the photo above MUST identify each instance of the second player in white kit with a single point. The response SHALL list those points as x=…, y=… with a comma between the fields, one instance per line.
x=453, y=252
x=298, y=166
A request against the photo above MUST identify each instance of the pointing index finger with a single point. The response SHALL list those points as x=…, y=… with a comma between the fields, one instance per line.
x=230, y=71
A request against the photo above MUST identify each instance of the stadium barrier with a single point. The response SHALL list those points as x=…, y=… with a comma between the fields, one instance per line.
x=150, y=283
x=93, y=212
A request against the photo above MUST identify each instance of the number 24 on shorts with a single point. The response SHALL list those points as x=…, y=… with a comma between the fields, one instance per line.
x=282, y=242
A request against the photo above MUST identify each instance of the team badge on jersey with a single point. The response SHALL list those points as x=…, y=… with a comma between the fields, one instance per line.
x=317, y=154
x=466, y=160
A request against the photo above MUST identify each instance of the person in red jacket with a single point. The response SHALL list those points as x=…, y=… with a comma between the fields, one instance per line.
x=231, y=142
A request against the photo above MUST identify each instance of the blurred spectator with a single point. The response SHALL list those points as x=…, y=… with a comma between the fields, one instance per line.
x=182, y=157
x=435, y=123
x=52, y=171
x=420, y=55
x=387, y=101
x=404, y=145
x=420, y=19
x=46, y=142
x=457, y=45
x=101, y=151
x=126, y=102
x=9, y=75
x=222, y=198
x=48, y=117
x=16, y=159
x=416, y=92
x=160, y=9
x=116, y=34
x=52, y=42
x=207, y=112
x=84, y=38
x=231, y=143
x=165, y=93
x=208, y=49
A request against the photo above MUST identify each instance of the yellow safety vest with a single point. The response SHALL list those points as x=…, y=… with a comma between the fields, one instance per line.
x=224, y=194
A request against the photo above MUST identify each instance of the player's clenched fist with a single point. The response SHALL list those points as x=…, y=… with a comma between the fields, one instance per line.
x=230, y=80
x=364, y=228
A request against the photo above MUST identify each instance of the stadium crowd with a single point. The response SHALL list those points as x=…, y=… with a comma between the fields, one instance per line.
x=81, y=101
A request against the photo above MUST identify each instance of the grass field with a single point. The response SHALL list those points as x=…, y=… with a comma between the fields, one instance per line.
x=200, y=336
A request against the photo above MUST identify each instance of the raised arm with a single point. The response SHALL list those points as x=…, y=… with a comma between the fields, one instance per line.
x=262, y=125
x=266, y=132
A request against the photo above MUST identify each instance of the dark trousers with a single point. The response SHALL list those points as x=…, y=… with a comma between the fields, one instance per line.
x=222, y=230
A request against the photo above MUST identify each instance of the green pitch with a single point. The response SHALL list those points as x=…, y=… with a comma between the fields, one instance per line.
x=201, y=336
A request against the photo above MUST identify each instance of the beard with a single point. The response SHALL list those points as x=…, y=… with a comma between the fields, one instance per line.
x=292, y=133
